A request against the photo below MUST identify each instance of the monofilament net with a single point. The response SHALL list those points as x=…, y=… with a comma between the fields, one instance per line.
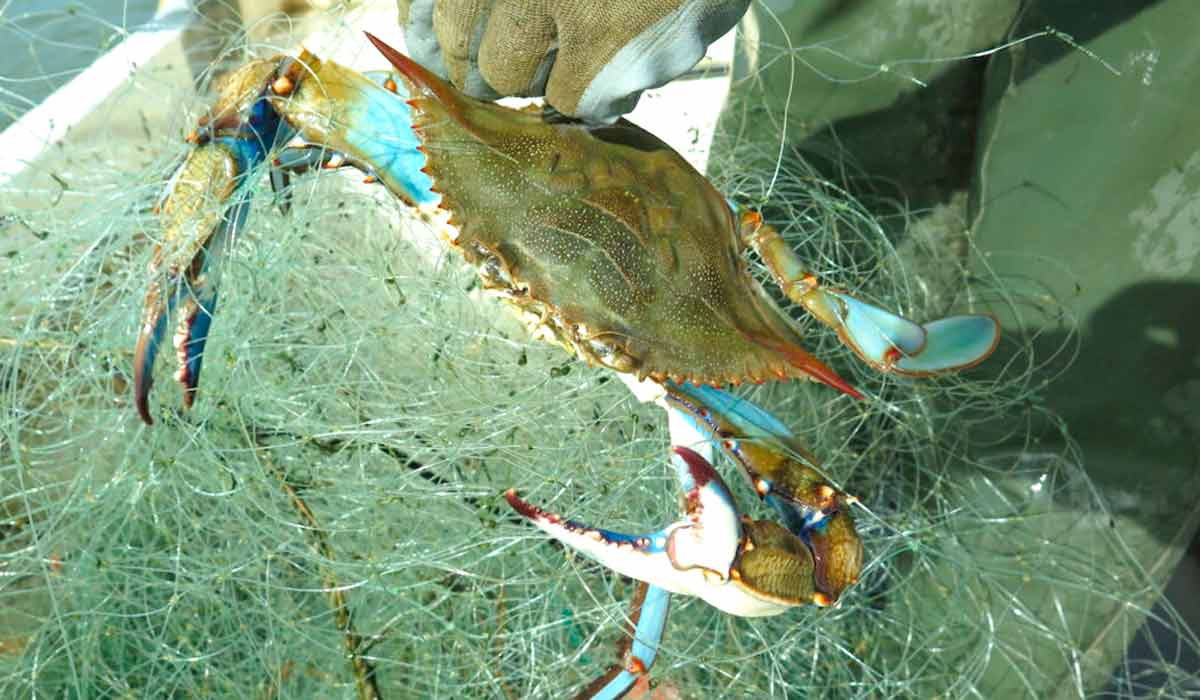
x=329, y=514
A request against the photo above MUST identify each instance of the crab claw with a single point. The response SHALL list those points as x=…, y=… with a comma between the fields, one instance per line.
x=301, y=113
x=837, y=554
x=181, y=272
x=891, y=343
x=740, y=566
x=680, y=557
x=704, y=555
x=204, y=206
x=781, y=471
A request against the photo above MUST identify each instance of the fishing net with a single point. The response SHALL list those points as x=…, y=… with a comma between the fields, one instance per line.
x=328, y=519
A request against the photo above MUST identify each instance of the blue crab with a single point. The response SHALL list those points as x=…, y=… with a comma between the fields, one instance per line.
x=608, y=243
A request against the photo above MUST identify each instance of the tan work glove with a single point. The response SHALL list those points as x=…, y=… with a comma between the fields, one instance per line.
x=590, y=58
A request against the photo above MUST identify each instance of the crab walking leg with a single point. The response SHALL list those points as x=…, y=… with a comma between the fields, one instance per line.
x=638, y=652
x=887, y=342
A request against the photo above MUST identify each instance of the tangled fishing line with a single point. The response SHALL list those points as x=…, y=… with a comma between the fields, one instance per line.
x=328, y=519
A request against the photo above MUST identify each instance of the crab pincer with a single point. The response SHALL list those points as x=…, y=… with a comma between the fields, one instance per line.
x=204, y=206
x=291, y=114
x=744, y=567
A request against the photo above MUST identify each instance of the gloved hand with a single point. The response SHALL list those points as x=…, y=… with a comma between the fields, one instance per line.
x=590, y=58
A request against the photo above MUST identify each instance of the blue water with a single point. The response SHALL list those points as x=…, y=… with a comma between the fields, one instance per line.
x=45, y=43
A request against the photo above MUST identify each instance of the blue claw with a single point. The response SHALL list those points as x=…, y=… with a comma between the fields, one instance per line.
x=782, y=473
x=891, y=343
x=154, y=329
x=874, y=332
x=183, y=274
x=680, y=557
x=193, y=334
x=698, y=555
x=954, y=343
x=738, y=565
x=205, y=206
